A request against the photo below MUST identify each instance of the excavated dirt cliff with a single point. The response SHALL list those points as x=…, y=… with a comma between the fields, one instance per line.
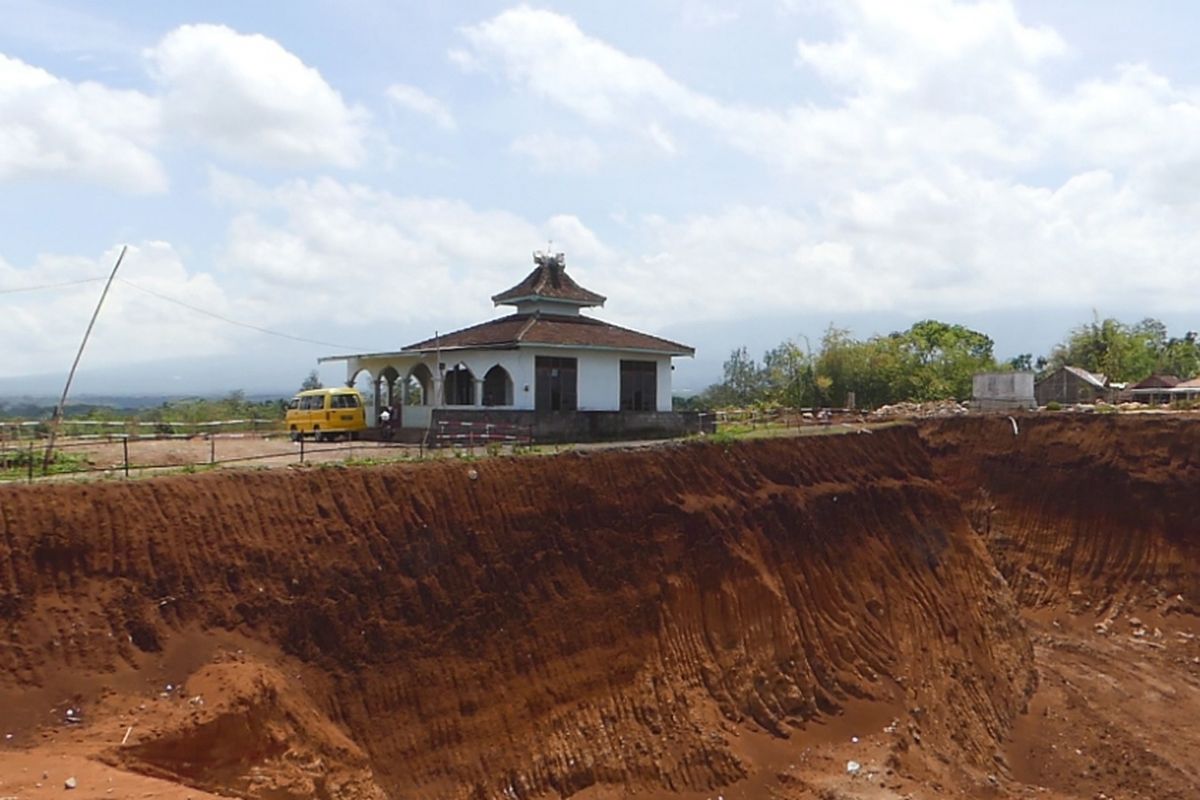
x=1104, y=507
x=1095, y=523
x=678, y=621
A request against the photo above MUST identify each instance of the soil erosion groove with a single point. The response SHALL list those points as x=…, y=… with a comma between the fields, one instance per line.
x=521, y=627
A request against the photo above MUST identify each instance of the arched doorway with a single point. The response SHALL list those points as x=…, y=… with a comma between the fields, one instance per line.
x=458, y=386
x=386, y=390
x=497, y=387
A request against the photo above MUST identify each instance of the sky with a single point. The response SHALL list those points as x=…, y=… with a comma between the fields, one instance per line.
x=357, y=175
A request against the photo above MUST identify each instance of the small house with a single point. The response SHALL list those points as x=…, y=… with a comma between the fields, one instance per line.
x=1070, y=385
x=1154, y=390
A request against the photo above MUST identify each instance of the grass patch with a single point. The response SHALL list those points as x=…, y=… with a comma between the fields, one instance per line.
x=14, y=464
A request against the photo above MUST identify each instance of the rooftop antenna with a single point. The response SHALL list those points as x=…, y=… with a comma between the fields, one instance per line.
x=62, y=401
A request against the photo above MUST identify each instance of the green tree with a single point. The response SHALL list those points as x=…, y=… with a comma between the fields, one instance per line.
x=1021, y=363
x=745, y=382
x=943, y=358
x=1125, y=353
x=313, y=381
x=1180, y=357
x=790, y=376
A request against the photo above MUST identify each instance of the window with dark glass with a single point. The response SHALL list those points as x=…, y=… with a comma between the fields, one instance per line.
x=639, y=385
x=555, y=382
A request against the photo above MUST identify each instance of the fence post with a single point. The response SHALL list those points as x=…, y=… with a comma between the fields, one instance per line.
x=125, y=448
x=212, y=448
x=302, y=448
x=30, y=465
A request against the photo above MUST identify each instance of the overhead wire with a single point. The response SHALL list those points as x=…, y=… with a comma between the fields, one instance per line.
x=17, y=289
x=230, y=321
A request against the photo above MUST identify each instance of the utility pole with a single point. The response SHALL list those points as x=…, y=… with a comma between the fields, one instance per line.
x=62, y=402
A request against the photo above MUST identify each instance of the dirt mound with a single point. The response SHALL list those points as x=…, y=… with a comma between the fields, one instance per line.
x=678, y=619
x=241, y=727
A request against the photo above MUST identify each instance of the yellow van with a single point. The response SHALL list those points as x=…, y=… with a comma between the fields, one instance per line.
x=326, y=413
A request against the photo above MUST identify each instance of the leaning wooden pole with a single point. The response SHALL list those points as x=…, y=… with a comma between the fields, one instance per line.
x=56, y=420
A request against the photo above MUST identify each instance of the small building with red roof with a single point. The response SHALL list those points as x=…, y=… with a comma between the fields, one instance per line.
x=537, y=366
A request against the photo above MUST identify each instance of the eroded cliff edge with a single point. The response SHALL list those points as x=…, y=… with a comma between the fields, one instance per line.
x=523, y=627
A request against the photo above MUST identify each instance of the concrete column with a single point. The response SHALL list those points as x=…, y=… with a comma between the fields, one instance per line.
x=438, y=399
x=478, y=396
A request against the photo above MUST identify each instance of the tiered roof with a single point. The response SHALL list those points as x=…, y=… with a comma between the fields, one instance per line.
x=549, y=281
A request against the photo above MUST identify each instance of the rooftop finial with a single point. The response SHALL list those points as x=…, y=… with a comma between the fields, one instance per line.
x=555, y=262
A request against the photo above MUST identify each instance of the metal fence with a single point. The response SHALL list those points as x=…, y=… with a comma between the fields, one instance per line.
x=113, y=450
x=470, y=434
x=18, y=430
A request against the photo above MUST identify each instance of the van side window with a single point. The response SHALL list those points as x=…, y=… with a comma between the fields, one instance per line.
x=314, y=403
x=293, y=404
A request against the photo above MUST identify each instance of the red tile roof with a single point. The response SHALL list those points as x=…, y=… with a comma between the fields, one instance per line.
x=550, y=329
x=550, y=280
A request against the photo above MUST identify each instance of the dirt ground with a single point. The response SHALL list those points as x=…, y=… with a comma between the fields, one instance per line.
x=950, y=611
x=152, y=456
x=247, y=450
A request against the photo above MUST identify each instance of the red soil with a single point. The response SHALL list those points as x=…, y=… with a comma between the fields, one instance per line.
x=686, y=621
x=1095, y=523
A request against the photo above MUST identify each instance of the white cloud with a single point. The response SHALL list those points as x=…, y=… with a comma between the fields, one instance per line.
x=921, y=246
x=547, y=54
x=917, y=87
x=50, y=126
x=413, y=99
x=555, y=153
x=248, y=97
x=935, y=168
x=382, y=257
x=43, y=327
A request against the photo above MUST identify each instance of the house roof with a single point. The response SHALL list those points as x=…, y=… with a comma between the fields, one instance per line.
x=1156, y=382
x=1194, y=383
x=1097, y=380
x=549, y=281
x=553, y=330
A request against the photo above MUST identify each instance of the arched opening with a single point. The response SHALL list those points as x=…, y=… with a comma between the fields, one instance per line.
x=458, y=386
x=418, y=386
x=497, y=387
x=364, y=382
x=386, y=395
